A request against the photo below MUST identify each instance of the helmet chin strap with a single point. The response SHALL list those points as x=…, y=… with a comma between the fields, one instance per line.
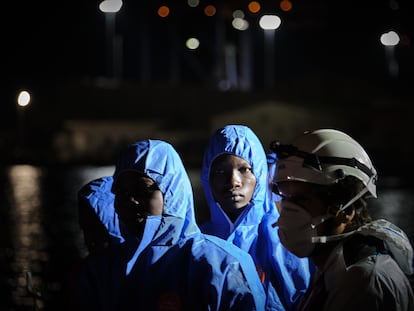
x=323, y=218
x=359, y=195
x=329, y=238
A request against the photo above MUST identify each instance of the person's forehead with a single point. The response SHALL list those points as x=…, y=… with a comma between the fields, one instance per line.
x=228, y=158
x=133, y=179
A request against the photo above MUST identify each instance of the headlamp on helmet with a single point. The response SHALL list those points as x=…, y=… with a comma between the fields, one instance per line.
x=324, y=157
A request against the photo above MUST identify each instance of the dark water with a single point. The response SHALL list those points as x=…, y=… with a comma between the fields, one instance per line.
x=40, y=236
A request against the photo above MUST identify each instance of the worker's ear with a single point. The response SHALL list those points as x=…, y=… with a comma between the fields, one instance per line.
x=345, y=217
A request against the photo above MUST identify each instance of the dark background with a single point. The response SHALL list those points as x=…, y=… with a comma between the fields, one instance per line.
x=330, y=70
x=328, y=61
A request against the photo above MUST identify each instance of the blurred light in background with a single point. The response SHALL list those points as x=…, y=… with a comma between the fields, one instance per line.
x=110, y=6
x=114, y=44
x=254, y=7
x=23, y=99
x=193, y=3
x=163, y=11
x=238, y=14
x=192, y=43
x=210, y=10
x=238, y=21
x=269, y=22
x=286, y=5
x=390, y=38
x=240, y=24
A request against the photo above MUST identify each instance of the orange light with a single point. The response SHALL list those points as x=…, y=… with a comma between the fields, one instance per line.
x=210, y=10
x=163, y=11
x=286, y=5
x=254, y=7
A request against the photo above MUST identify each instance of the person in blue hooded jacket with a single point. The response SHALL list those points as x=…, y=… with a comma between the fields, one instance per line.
x=97, y=216
x=164, y=262
x=234, y=177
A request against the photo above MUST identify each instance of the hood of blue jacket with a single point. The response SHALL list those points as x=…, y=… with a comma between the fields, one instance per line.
x=159, y=160
x=97, y=195
x=241, y=141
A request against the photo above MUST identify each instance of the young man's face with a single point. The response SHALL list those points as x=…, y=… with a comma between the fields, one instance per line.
x=136, y=197
x=232, y=182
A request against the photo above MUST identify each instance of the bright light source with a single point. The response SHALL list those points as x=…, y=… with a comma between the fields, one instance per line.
x=210, y=10
x=390, y=38
x=192, y=43
x=240, y=24
x=238, y=14
x=254, y=6
x=285, y=5
x=193, y=3
x=23, y=99
x=163, y=11
x=110, y=6
x=269, y=22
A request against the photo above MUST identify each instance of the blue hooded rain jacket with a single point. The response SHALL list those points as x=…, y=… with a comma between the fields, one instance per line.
x=96, y=198
x=285, y=277
x=174, y=266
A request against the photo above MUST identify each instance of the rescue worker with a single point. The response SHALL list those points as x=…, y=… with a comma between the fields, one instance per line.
x=325, y=179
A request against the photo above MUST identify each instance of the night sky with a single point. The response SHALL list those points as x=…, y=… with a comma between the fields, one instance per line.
x=45, y=43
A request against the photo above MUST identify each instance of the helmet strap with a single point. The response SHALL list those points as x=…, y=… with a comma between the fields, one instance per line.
x=359, y=195
x=330, y=238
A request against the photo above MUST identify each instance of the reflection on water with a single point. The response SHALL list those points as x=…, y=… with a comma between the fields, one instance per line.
x=39, y=232
x=28, y=247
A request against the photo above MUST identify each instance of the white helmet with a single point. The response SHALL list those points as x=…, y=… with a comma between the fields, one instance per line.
x=323, y=157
